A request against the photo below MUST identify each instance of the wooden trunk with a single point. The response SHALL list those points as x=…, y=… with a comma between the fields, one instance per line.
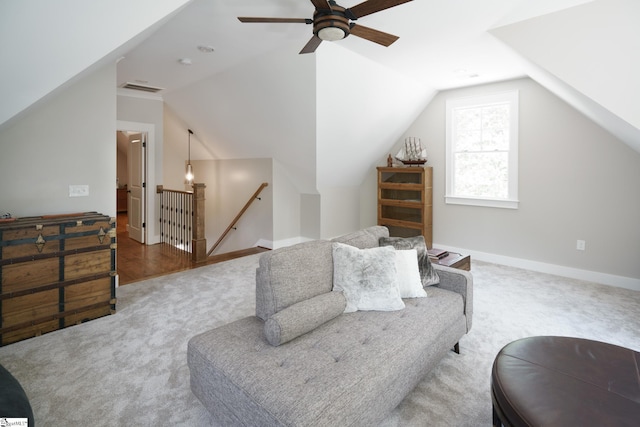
x=55, y=271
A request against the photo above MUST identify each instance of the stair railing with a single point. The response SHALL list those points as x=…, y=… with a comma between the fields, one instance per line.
x=182, y=220
x=176, y=218
x=237, y=218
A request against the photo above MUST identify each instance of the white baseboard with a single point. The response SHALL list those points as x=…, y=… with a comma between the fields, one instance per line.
x=558, y=270
x=263, y=243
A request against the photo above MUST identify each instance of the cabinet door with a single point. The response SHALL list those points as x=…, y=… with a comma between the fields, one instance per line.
x=404, y=201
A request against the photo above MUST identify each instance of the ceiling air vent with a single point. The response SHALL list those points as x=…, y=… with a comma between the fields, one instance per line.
x=142, y=87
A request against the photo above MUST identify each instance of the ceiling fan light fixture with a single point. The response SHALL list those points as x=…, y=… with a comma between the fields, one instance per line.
x=331, y=34
x=332, y=22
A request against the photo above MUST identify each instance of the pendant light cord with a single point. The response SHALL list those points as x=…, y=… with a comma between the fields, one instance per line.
x=189, y=155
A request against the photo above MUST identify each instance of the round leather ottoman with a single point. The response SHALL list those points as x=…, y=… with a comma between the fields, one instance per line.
x=562, y=381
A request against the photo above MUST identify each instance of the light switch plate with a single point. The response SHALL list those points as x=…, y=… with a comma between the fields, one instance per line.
x=78, y=190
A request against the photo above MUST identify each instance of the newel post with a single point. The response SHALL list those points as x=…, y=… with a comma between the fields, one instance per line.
x=199, y=242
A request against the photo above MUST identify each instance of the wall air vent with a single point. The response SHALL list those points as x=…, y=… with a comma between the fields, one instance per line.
x=142, y=87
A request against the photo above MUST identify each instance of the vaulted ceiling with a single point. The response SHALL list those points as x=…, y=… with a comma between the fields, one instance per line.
x=445, y=44
x=253, y=95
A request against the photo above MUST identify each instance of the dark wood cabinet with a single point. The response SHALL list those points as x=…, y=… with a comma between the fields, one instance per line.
x=405, y=201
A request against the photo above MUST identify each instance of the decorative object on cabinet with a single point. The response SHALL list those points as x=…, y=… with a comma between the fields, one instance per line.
x=412, y=152
x=56, y=271
x=405, y=201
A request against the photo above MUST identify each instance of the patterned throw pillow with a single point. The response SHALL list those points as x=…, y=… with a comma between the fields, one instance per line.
x=367, y=278
x=428, y=274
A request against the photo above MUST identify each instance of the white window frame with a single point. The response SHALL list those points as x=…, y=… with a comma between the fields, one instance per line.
x=511, y=201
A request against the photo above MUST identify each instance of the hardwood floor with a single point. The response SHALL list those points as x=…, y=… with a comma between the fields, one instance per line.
x=136, y=261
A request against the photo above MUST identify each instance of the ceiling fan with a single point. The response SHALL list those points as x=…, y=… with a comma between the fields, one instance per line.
x=333, y=22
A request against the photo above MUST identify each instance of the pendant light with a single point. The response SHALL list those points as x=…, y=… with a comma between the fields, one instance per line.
x=189, y=175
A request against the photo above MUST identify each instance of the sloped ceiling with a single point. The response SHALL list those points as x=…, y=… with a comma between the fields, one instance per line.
x=255, y=96
x=588, y=55
x=362, y=109
x=256, y=110
x=46, y=46
x=327, y=117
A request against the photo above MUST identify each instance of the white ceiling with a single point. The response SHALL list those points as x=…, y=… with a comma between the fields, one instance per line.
x=443, y=44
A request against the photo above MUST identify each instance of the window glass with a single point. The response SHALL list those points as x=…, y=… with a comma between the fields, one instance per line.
x=482, y=150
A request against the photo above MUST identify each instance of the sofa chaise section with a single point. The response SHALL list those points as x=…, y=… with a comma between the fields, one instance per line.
x=349, y=371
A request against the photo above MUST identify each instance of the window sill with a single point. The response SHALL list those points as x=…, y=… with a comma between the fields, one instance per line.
x=488, y=203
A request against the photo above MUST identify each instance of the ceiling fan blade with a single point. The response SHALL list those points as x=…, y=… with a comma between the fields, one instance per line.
x=321, y=4
x=312, y=45
x=372, y=6
x=276, y=20
x=385, y=39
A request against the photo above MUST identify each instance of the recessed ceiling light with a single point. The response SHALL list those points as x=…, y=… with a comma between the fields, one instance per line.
x=206, y=49
x=185, y=61
x=463, y=73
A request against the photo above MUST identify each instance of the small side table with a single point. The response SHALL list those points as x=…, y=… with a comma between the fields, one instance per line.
x=455, y=260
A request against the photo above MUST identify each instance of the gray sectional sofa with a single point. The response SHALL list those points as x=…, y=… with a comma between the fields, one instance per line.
x=303, y=361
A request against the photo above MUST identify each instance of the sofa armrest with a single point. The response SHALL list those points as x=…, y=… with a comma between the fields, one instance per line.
x=459, y=281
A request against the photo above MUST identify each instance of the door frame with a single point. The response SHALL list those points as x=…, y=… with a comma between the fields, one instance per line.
x=151, y=232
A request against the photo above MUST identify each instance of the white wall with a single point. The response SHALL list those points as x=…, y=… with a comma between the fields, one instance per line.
x=145, y=114
x=256, y=110
x=68, y=140
x=576, y=181
x=264, y=108
x=287, y=211
x=362, y=108
x=176, y=151
x=340, y=211
x=230, y=184
x=310, y=216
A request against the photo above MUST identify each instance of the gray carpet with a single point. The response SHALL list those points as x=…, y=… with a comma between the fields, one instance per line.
x=130, y=368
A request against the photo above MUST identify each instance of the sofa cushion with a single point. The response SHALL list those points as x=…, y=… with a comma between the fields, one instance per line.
x=408, y=274
x=292, y=274
x=364, y=239
x=367, y=277
x=427, y=272
x=303, y=317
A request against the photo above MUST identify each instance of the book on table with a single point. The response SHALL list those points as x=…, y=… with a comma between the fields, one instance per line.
x=435, y=253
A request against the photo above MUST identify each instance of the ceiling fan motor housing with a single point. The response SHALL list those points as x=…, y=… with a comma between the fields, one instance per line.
x=331, y=24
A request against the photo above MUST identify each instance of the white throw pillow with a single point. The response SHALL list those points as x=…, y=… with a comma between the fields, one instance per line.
x=409, y=281
x=367, y=278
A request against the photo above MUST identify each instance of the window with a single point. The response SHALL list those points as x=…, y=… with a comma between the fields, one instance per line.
x=482, y=151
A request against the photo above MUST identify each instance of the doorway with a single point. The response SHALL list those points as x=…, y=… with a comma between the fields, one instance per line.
x=130, y=182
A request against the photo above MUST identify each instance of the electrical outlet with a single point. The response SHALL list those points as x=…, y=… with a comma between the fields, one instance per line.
x=581, y=245
x=78, y=190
